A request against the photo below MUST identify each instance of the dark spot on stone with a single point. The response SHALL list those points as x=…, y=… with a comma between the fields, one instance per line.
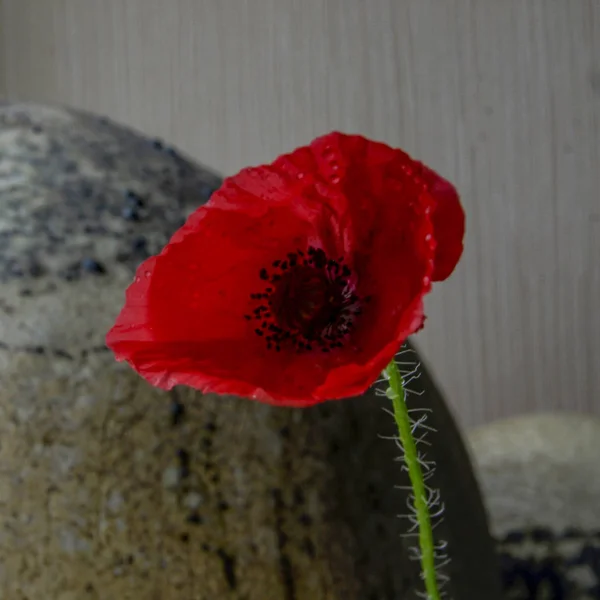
x=287, y=575
x=194, y=518
x=541, y=534
x=210, y=427
x=89, y=588
x=158, y=144
x=35, y=269
x=285, y=566
x=184, y=462
x=37, y=129
x=131, y=213
x=305, y=519
x=298, y=496
x=86, y=189
x=282, y=538
x=206, y=191
x=514, y=537
x=171, y=152
x=26, y=292
x=207, y=443
x=277, y=497
x=228, y=568
x=134, y=199
x=590, y=556
x=285, y=432
x=309, y=547
x=177, y=410
x=572, y=533
x=130, y=559
x=223, y=506
x=185, y=538
x=91, y=265
x=139, y=244
x=70, y=167
x=215, y=478
x=205, y=547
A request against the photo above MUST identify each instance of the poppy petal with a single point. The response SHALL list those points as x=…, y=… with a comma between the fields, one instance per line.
x=380, y=227
x=448, y=220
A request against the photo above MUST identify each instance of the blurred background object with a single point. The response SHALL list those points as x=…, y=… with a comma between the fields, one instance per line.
x=502, y=98
x=540, y=477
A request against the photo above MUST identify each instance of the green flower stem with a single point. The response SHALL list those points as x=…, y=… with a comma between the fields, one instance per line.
x=398, y=397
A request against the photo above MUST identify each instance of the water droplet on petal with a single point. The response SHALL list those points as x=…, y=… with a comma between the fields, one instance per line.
x=137, y=279
x=300, y=175
x=335, y=178
x=147, y=274
x=427, y=283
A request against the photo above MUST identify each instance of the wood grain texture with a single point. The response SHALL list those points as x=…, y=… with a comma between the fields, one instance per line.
x=503, y=98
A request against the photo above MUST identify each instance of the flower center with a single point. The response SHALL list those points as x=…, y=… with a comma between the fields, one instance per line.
x=308, y=302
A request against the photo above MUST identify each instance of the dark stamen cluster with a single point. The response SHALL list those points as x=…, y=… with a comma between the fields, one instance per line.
x=308, y=302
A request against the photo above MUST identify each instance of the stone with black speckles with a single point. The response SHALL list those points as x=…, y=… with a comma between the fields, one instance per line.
x=541, y=479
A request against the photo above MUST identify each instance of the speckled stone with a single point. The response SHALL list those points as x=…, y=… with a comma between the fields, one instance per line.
x=110, y=489
x=540, y=477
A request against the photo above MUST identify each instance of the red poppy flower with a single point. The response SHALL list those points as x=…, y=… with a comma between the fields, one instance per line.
x=299, y=280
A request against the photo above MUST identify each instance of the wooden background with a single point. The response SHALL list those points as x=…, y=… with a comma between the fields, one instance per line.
x=501, y=96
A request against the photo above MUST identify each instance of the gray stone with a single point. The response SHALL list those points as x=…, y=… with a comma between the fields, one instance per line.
x=541, y=484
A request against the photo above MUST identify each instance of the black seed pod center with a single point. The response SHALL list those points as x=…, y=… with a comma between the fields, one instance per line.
x=308, y=301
